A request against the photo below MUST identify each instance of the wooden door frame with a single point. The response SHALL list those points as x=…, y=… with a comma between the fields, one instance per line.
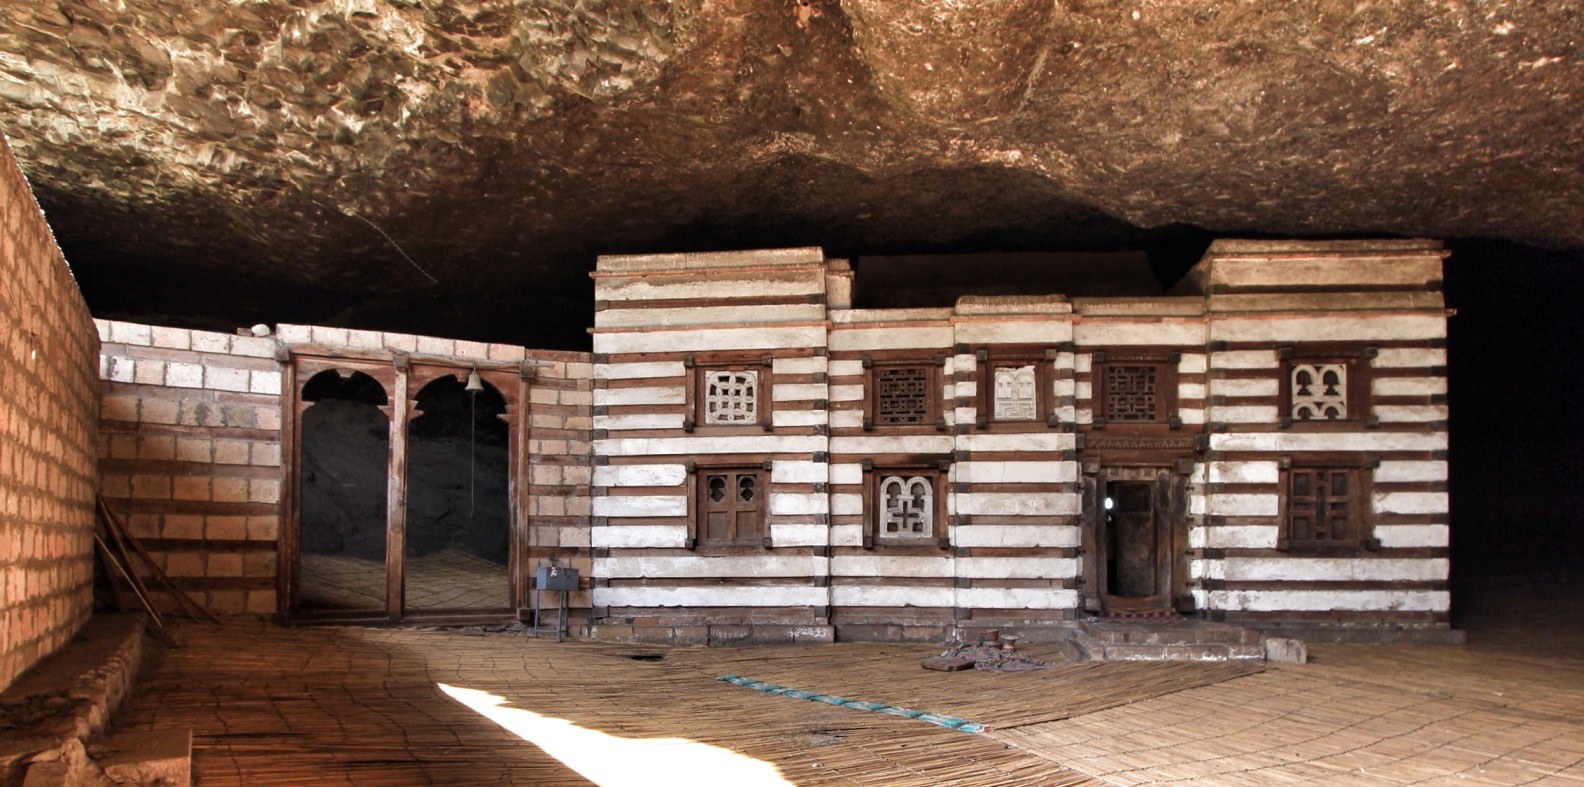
x=397, y=373
x=1170, y=479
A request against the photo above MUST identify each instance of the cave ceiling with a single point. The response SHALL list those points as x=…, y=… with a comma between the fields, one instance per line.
x=453, y=167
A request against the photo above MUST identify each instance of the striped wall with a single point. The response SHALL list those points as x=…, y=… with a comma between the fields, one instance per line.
x=1010, y=544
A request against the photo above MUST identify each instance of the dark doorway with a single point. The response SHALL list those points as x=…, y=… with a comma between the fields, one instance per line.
x=1132, y=540
x=345, y=442
x=458, y=522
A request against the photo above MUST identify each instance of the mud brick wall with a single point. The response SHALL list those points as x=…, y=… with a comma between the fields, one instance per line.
x=560, y=421
x=190, y=456
x=47, y=436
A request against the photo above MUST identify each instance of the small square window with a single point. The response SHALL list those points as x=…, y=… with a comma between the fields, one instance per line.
x=904, y=505
x=1325, y=506
x=903, y=394
x=730, y=506
x=729, y=394
x=1134, y=389
x=1013, y=386
x=1320, y=386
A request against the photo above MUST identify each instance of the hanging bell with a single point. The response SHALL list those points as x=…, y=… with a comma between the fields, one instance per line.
x=474, y=383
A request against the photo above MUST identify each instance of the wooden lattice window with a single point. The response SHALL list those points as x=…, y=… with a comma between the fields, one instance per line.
x=1325, y=505
x=902, y=394
x=723, y=392
x=1134, y=389
x=1326, y=384
x=731, y=506
x=904, y=504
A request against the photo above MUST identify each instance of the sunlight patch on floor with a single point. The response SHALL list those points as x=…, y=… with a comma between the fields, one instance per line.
x=612, y=761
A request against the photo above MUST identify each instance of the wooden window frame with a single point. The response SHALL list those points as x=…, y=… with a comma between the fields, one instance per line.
x=934, y=415
x=1165, y=361
x=1354, y=358
x=699, y=488
x=698, y=367
x=937, y=469
x=988, y=359
x=1361, y=524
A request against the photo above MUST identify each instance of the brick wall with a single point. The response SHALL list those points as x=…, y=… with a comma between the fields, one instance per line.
x=190, y=456
x=47, y=436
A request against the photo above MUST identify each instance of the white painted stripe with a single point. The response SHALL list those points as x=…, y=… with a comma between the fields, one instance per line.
x=621, y=423
x=705, y=566
x=1243, y=473
x=1325, y=600
x=1191, y=390
x=1054, y=536
x=640, y=475
x=638, y=536
x=812, y=365
x=846, y=368
x=1410, y=356
x=1030, y=332
x=846, y=393
x=714, y=596
x=1416, y=413
x=1192, y=363
x=1234, y=537
x=1410, y=502
x=1405, y=471
x=1363, y=569
x=705, y=315
x=846, y=504
x=1245, y=359
x=1245, y=415
x=1017, y=503
x=1379, y=327
x=847, y=473
x=1410, y=536
x=790, y=504
x=846, y=535
x=792, y=418
x=899, y=444
x=1094, y=333
x=1329, y=441
x=804, y=535
x=880, y=596
x=641, y=505
x=1246, y=505
x=1244, y=387
x=1017, y=598
x=785, y=471
x=1016, y=472
x=892, y=337
x=631, y=371
x=1408, y=386
x=1028, y=441
x=1017, y=567
x=846, y=419
x=714, y=285
x=798, y=392
x=890, y=566
x=671, y=394
x=701, y=446
x=708, y=339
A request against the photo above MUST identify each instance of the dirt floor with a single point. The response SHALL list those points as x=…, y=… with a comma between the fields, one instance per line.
x=349, y=706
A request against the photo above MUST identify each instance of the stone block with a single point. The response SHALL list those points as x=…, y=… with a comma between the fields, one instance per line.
x=184, y=375
x=171, y=338
x=268, y=383
x=162, y=757
x=1286, y=650
x=211, y=342
x=221, y=378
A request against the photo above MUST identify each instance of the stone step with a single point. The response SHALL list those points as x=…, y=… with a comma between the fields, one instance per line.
x=1168, y=633
x=1196, y=652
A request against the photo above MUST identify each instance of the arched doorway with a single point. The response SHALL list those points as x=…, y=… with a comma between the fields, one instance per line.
x=458, y=523
x=345, y=438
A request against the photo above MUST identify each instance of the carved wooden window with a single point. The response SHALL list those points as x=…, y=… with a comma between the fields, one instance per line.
x=905, y=505
x=1325, y=505
x=731, y=506
x=1324, y=385
x=1134, y=390
x=723, y=393
x=903, y=394
x=1013, y=385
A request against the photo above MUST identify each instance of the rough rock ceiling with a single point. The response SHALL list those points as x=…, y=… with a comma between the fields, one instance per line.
x=453, y=167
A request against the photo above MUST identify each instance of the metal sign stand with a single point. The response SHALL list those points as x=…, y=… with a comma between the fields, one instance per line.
x=559, y=580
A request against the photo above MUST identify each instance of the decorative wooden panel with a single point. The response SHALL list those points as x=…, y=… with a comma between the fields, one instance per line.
x=731, y=506
x=1319, y=391
x=1132, y=393
x=1323, y=505
x=903, y=395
